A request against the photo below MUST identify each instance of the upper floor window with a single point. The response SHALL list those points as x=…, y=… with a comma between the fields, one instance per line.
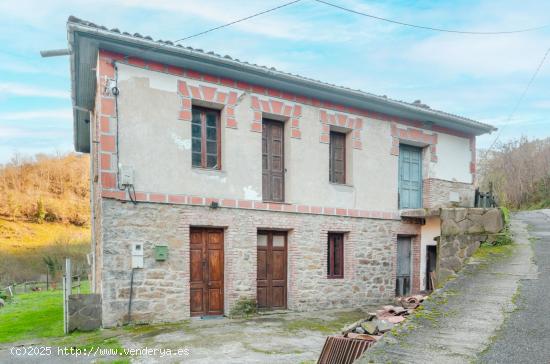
x=273, y=161
x=337, y=163
x=205, y=138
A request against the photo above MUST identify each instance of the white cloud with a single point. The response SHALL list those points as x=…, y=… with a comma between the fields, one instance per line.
x=19, y=89
x=480, y=56
x=59, y=114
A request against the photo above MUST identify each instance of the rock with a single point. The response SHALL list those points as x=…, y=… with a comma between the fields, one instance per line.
x=395, y=319
x=493, y=221
x=2, y=303
x=351, y=327
x=384, y=326
x=370, y=327
x=360, y=330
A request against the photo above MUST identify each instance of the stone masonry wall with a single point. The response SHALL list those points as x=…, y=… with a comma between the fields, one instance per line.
x=462, y=231
x=84, y=312
x=161, y=289
x=437, y=193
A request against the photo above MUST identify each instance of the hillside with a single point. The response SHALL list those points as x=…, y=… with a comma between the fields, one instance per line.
x=44, y=214
x=46, y=188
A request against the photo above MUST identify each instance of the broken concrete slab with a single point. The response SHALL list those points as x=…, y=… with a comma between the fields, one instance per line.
x=384, y=326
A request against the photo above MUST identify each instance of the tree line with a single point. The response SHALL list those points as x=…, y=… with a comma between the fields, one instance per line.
x=518, y=172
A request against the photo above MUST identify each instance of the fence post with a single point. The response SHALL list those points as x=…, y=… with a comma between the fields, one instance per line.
x=67, y=287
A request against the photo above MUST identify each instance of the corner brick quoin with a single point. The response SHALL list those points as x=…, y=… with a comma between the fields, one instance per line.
x=473, y=160
x=247, y=204
x=354, y=125
x=289, y=111
x=106, y=59
x=413, y=135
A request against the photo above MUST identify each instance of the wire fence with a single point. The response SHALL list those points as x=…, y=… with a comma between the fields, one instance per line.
x=36, y=286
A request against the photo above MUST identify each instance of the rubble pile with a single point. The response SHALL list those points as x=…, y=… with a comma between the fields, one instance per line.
x=374, y=325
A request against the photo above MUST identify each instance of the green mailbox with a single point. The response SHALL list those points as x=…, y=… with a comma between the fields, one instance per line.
x=161, y=253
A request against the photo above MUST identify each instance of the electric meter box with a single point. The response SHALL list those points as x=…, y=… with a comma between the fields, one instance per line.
x=137, y=255
x=126, y=175
x=161, y=253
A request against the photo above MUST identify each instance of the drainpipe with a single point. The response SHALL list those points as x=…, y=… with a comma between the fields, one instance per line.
x=130, y=298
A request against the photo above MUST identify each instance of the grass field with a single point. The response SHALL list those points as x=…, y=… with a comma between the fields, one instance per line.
x=33, y=315
x=21, y=237
x=37, y=318
x=24, y=245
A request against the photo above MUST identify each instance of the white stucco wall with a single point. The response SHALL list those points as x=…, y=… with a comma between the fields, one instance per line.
x=429, y=231
x=453, y=159
x=158, y=146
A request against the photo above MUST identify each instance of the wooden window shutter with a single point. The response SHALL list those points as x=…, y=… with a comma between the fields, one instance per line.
x=337, y=163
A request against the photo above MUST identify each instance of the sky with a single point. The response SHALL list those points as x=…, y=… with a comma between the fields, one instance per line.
x=480, y=77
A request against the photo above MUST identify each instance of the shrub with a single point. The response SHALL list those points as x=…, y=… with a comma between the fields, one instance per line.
x=244, y=307
x=40, y=212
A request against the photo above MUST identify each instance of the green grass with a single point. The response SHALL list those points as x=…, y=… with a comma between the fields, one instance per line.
x=490, y=252
x=33, y=315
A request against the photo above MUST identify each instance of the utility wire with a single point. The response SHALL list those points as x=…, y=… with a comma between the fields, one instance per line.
x=226, y=25
x=427, y=27
x=520, y=100
x=238, y=20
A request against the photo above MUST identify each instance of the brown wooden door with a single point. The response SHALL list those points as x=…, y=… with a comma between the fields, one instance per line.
x=206, y=261
x=271, y=290
x=273, y=169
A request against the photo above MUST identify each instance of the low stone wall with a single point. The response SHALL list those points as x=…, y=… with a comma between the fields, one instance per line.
x=462, y=231
x=84, y=312
x=440, y=193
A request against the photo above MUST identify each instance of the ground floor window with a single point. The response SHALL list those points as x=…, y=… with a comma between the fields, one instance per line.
x=335, y=256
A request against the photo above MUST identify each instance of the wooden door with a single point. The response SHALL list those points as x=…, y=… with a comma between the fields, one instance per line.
x=403, y=283
x=206, y=260
x=410, y=177
x=431, y=260
x=272, y=270
x=273, y=169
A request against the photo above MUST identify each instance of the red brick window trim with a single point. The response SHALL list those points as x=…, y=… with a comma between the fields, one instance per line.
x=414, y=135
x=335, y=255
x=264, y=107
x=351, y=124
x=207, y=94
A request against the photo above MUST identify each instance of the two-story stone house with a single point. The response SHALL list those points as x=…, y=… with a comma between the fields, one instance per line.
x=215, y=179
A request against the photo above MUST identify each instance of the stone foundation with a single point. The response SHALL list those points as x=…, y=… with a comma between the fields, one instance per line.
x=440, y=193
x=161, y=289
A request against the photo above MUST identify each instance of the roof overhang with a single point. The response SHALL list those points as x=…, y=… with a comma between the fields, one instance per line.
x=86, y=40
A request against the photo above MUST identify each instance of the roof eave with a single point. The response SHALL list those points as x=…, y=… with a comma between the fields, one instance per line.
x=178, y=56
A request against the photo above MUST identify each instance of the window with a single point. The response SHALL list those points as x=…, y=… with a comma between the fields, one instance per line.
x=273, y=161
x=337, y=163
x=335, y=256
x=205, y=138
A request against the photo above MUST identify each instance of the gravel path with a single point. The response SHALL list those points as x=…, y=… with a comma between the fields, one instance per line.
x=461, y=320
x=525, y=335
